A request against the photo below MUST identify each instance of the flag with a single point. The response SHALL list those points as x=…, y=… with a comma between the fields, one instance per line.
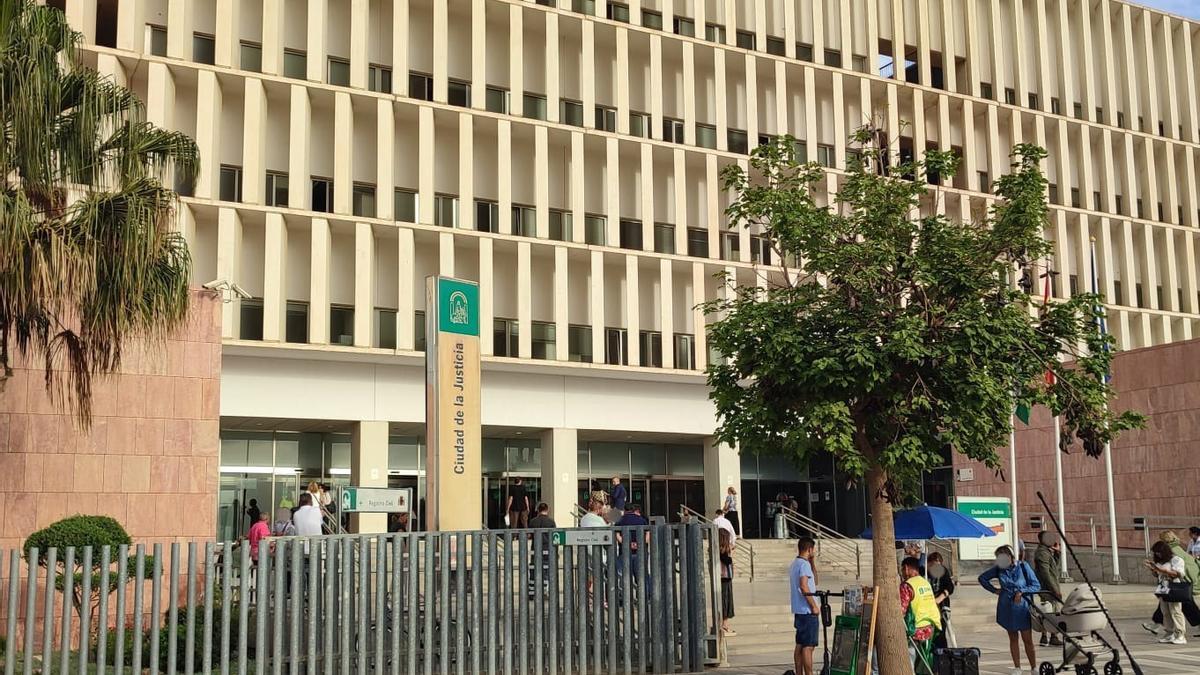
x=1023, y=413
x=1050, y=379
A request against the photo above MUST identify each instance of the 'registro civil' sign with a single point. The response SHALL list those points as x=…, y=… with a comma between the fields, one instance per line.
x=454, y=498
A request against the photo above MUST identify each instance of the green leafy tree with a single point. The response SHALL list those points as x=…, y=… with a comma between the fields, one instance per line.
x=88, y=257
x=901, y=336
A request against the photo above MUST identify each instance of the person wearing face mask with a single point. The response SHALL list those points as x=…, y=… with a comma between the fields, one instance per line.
x=943, y=587
x=1017, y=581
x=1193, y=548
x=1046, y=565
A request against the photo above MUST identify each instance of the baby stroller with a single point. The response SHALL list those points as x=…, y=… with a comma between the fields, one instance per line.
x=1078, y=623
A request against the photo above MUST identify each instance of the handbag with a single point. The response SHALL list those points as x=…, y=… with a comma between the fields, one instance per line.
x=1177, y=591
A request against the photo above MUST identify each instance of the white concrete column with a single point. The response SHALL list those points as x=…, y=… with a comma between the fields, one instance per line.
x=131, y=26
x=560, y=474
x=1129, y=275
x=553, y=107
x=680, y=185
x=722, y=470
x=426, y=159
x=1106, y=264
x=318, y=54
x=621, y=84
x=343, y=158
x=596, y=302
x=647, y=196
x=541, y=180
x=1171, y=283
x=578, y=188
x=299, y=153
x=466, y=171
x=516, y=59
x=722, y=105
x=160, y=95
x=699, y=324
x=364, y=285
x=666, y=299
x=504, y=174
x=1062, y=253
x=441, y=51
x=406, y=287
x=318, y=288
x=587, y=83
x=81, y=14
x=400, y=44
x=369, y=468
x=179, y=29
x=229, y=265
x=790, y=33
x=227, y=38
x=950, y=73
x=208, y=134
x=973, y=49
x=446, y=254
x=752, y=98
x=612, y=202
x=275, y=278
x=1191, y=304
x=656, y=85
x=272, y=37
x=486, y=292
x=478, y=54
x=839, y=121
x=524, y=300
x=561, y=323
x=712, y=206
x=360, y=38
x=1149, y=265
x=385, y=159
x=633, y=324
x=689, y=94
x=254, y=142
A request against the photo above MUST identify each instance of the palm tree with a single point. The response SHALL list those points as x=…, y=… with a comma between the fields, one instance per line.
x=88, y=256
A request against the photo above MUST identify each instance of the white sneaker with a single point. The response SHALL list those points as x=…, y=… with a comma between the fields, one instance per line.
x=1166, y=639
x=1179, y=640
x=1018, y=671
x=1152, y=628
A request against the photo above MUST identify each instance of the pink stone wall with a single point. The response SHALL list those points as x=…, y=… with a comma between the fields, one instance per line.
x=151, y=456
x=1156, y=470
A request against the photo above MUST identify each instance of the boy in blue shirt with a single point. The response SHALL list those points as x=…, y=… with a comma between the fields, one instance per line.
x=805, y=609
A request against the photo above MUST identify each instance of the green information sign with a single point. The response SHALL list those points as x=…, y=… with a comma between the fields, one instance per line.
x=985, y=509
x=458, y=307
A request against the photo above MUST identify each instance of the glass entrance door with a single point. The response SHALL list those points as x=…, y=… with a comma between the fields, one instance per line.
x=495, y=498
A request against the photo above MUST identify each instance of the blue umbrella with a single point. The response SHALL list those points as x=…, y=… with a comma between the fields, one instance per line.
x=931, y=522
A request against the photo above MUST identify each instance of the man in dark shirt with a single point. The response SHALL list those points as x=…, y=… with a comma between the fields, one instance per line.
x=633, y=518
x=517, y=505
x=542, y=519
x=541, y=547
x=617, y=499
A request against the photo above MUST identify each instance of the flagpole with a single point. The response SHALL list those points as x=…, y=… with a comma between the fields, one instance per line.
x=1108, y=469
x=1064, y=573
x=1012, y=477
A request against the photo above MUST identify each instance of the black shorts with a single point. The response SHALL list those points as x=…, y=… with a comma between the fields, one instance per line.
x=806, y=629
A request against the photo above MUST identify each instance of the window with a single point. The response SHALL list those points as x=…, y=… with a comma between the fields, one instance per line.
x=506, y=338
x=296, y=322
x=631, y=234
x=1117, y=298
x=231, y=183
x=652, y=19
x=338, y=72
x=887, y=66
x=801, y=151
x=295, y=64
x=1096, y=205
x=776, y=46
x=651, y=348
x=542, y=335
x=664, y=238
x=158, y=40
x=685, y=26
x=405, y=205
x=534, y=106
x=639, y=124
x=1010, y=96
x=1073, y=284
x=1120, y=203
x=1053, y=193
x=458, y=93
x=616, y=349
x=420, y=86
x=524, y=221
x=1138, y=300
x=685, y=351
x=445, y=210
x=277, y=188
x=385, y=328
x=697, y=242
x=363, y=200
x=731, y=246
x=595, y=229
x=1161, y=217
x=606, y=118
x=760, y=250
x=985, y=90
x=1034, y=101
x=322, y=195
x=583, y=6
x=379, y=78
x=738, y=141
x=833, y=58
x=251, y=56
x=985, y=181
x=251, y=319
x=859, y=63
x=204, y=48
x=571, y=113
x=341, y=325
x=560, y=225
x=804, y=51
x=746, y=39
x=1141, y=122
x=1121, y=119
x=618, y=11
x=419, y=331
x=1077, y=109
x=1076, y=201
x=826, y=156
x=1141, y=211
x=1055, y=106
x=496, y=100
x=706, y=136
x=1162, y=130
x=714, y=32
x=1100, y=115
x=579, y=344
x=672, y=130
x=766, y=139
x=487, y=216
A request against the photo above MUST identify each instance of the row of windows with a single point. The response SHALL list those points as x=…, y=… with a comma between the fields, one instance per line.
x=505, y=336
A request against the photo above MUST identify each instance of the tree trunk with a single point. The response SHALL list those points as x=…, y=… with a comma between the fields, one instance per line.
x=891, y=641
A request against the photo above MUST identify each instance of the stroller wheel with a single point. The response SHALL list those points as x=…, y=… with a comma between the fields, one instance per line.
x=1046, y=668
x=1112, y=668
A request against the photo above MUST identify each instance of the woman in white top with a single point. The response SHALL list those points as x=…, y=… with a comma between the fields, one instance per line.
x=731, y=512
x=1169, y=568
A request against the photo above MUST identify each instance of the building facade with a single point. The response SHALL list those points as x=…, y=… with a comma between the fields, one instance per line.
x=566, y=155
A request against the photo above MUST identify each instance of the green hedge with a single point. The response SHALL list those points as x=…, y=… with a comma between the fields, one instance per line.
x=77, y=531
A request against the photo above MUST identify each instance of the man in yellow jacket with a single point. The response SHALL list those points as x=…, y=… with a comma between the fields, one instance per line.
x=921, y=615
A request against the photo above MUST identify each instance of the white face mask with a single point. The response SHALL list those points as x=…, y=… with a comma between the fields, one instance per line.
x=937, y=570
x=1003, y=561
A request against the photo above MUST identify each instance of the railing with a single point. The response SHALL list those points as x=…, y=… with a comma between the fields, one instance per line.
x=577, y=513
x=743, y=550
x=846, y=551
x=331, y=522
x=1096, y=523
x=516, y=600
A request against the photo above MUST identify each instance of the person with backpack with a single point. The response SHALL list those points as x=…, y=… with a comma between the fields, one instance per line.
x=1016, y=584
x=1191, y=574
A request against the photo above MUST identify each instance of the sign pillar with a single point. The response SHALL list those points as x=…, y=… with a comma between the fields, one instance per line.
x=454, y=499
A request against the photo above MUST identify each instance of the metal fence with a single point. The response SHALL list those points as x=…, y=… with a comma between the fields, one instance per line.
x=511, y=601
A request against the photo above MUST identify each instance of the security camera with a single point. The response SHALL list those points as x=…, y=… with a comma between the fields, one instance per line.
x=240, y=292
x=217, y=285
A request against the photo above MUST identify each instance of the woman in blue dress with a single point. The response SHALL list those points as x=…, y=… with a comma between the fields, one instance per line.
x=1017, y=584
